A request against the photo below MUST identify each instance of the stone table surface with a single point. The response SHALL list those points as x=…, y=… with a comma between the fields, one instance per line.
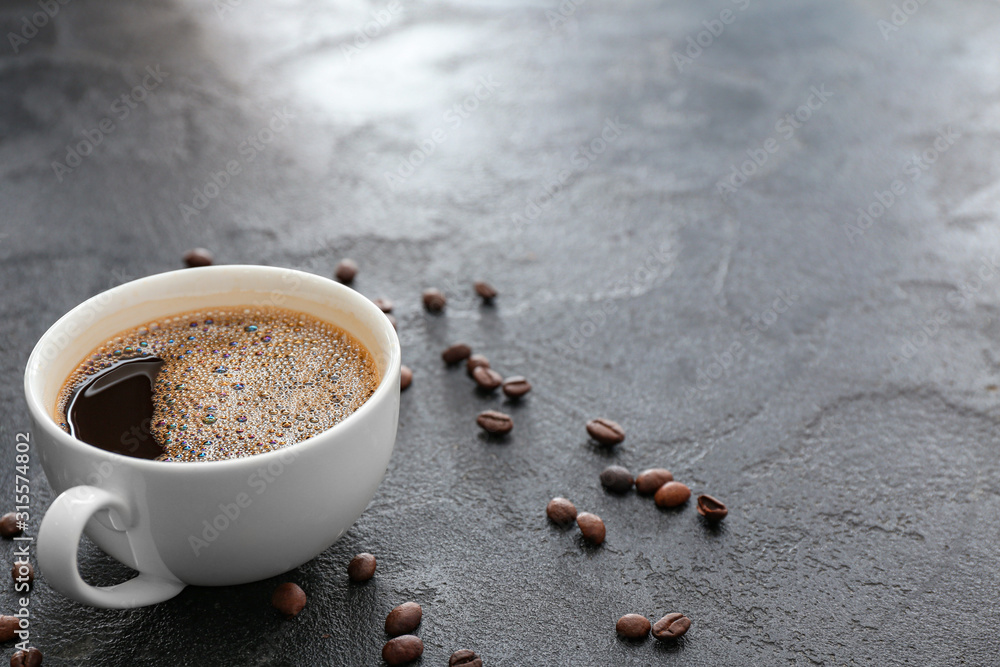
x=761, y=236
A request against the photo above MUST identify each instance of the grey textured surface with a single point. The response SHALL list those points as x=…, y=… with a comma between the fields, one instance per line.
x=853, y=435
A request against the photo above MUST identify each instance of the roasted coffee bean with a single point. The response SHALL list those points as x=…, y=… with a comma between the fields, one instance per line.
x=711, y=508
x=346, y=271
x=405, y=377
x=404, y=619
x=31, y=657
x=22, y=571
x=560, y=510
x=650, y=480
x=486, y=379
x=591, y=527
x=633, y=626
x=392, y=321
x=495, y=422
x=401, y=650
x=485, y=290
x=361, y=568
x=9, y=625
x=671, y=626
x=616, y=479
x=516, y=386
x=464, y=658
x=672, y=494
x=198, y=257
x=383, y=304
x=434, y=300
x=289, y=599
x=474, y=362
x=456, y=353
x=8, y=525
x=605, y=431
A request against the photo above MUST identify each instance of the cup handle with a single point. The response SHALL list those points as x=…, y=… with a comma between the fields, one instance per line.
x=58, y=540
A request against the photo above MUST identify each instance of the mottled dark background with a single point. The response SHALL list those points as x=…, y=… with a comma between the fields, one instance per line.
x=853, y=434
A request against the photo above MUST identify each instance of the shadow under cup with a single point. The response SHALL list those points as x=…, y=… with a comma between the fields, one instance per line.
x=212, y=523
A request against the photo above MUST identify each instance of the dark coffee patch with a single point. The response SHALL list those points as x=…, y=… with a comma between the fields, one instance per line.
x=114, y=408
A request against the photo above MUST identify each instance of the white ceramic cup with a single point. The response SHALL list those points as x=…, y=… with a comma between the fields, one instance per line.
x=212, y=523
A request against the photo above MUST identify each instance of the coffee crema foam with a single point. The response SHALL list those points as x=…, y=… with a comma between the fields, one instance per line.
x=238, y=381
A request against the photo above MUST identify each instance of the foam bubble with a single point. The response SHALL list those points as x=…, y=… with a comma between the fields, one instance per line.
x=240, y=381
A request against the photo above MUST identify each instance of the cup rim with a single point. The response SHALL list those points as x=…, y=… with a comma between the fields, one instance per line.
x=45, y=421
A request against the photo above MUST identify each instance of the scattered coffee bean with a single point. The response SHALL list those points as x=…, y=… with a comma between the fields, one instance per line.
x=405, y=377
x=672, y=494
x=456, y=353
x=605, y=431
x=711, y=508
x=591, y=527
x=434, y=300
x=486, y=379
x=403, y=619
x=392, y=321
x=495, y=422
x=671, y=626
x=651, y=479
x=633, y=626
x=383, y=304
x=289, y=599
x=8, y=525
x=401, y=650
x=31, y=657
x=464, y=658
x=9, y=625
x=485, y=290
x=616, y=479
x=346, y=271
x=22, y=571
x=198, y=257
x=474, y=362
x=560, y=510
x=516, y=386
x=361, y=568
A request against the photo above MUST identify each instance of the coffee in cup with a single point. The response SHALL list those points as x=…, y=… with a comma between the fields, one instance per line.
x=215, y=384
